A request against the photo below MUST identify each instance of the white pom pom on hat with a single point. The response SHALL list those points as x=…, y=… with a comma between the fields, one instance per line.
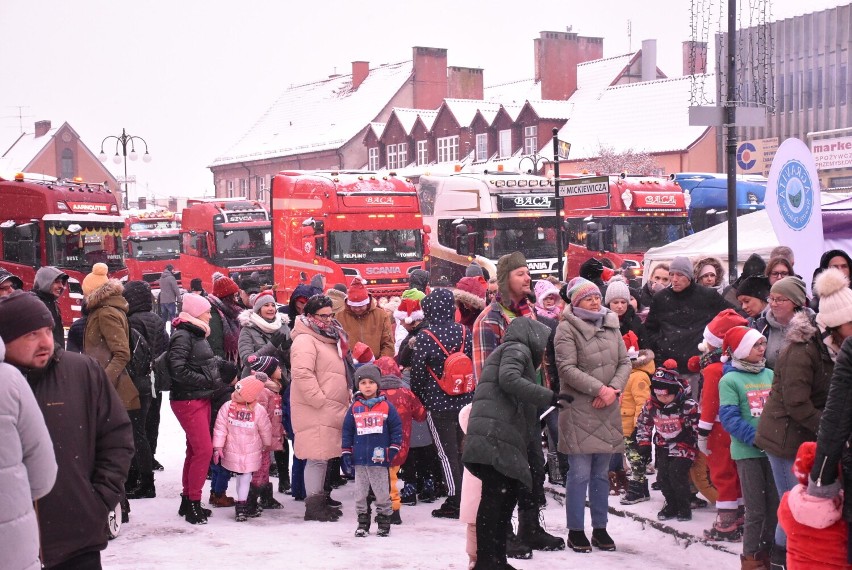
x=835, y=298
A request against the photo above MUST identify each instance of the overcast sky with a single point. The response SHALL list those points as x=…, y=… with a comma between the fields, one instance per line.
x=192, y=76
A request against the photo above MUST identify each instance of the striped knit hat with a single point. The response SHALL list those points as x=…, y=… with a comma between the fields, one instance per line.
x=579, y=288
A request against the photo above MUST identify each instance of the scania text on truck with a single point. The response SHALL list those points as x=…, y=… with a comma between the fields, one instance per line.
x=152, y=241
x=618, y=218
x=67, y=224
x=484, y=216
x=344, y=225
x=232, y=236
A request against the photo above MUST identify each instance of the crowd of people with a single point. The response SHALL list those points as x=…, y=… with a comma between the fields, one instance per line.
x=475, y=392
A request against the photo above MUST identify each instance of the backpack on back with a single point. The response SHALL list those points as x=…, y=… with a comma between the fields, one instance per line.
x=162, y=373
x=139, y=366
x=458, y=376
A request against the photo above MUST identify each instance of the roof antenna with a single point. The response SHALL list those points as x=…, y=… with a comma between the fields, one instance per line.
x=629, y=36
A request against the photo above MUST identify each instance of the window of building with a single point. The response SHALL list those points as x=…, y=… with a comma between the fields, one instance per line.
x=373, y=158
x=841, y=86
x=482, y=147
x=66, y=164
x=448, y=149
x=244, y=188
x=505, y=149
x=791, y=101
x=809, y=89
x=402, y=155
x=229, y=189
x=422, y=152
x=831, y=82
x=261, y=188
x=531, y=140
x=818, y=92
x=390, y=155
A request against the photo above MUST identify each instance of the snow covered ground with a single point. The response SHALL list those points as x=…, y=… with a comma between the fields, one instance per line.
x=156, y=538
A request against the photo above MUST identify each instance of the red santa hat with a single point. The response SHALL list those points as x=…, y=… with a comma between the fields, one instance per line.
x=357, y=295
x=738, y=342
x=715, y=330
x=409, y=311
x=362, y=353
x=631, y=342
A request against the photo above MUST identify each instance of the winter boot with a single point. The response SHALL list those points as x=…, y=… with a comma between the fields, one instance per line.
x=267, y=501
x=317, y=510
x=684, y=512
x=554, y=471
x=395, y=518
x=185, y=504
x=533, y=535
x=220, y=500
x=669, y=511
x=282, y=460
x=602, y=540
x=449, y=510
x=697, y=502
x=725, y=527
x=578, y=542
x=125, y=510
x=333, y=476
x=194, y=514
x=515, y=548
x=253, y=508
x=778, y=558
x=636, y=493
x=363, y=524
x=428, y=494
x=384, y=524
x=334, y=506
x=145, y=490
x=408, y=495
x=240, y=511
x=752, y=562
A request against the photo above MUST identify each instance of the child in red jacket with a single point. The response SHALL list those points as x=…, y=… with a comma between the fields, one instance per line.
x=409, y=408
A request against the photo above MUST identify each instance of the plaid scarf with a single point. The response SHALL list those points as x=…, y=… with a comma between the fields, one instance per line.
x=522, y=309
x=331, y=329
x=709, y=358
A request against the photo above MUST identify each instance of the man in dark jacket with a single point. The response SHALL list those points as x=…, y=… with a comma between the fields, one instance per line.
x=169, y=293
x=9, y=282
x=48, y=285
x=91, y=433
x=419, y=279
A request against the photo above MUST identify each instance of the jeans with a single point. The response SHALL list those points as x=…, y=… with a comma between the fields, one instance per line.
x=587, y=471
x=168, y=311
x=782, y=472
x=219, y=478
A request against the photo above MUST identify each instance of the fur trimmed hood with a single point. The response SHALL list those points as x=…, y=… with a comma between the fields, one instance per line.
x=98, y=297
x=244, y=318
x=646, y=355
x=801, y=327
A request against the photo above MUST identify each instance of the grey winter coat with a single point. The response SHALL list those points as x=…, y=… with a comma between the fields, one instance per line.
x=589, y=358
x=169, y=290
x=27, y=468
x=255, y=342
x=42, y=284
x=504, y=418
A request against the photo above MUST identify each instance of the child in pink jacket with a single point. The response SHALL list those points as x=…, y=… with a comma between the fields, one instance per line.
x=241, y=435
x=268, y=370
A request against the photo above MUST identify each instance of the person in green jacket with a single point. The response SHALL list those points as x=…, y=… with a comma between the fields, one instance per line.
x=743, y=392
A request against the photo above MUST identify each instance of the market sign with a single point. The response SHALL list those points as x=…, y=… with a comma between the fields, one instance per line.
x=584, y=186
x=832, y=153
x=525, y=202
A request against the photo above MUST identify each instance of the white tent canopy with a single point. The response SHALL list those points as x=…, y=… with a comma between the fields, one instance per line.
x=754, y=235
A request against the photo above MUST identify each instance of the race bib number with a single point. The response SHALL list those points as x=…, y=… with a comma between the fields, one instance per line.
x=756, y=401
x=240, y=417
x=668, y=426
x=369, y=421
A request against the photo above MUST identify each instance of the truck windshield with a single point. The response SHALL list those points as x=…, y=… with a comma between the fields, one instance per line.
x=153, y=248
x=79, y=246
x=251, y=246
x=495, y=237
x=640, y=235
x=375, y=246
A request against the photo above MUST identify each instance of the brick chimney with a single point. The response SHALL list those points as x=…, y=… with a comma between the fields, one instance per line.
x=41, y=128
x=465, y=83
x=360, y=71
x=557, y=55
x=430, y=77
x=694, y=57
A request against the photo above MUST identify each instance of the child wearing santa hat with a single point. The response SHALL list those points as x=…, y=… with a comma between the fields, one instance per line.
x=242, y=434
x=743, y=391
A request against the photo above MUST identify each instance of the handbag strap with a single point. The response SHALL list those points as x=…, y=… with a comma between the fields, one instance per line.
x=447, y=352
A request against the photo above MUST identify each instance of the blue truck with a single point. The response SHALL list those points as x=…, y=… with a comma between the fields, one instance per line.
x=708, y=192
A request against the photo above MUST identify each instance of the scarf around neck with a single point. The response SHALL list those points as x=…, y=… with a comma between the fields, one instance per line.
x=520, y=309
x=711, y=357
x=751, y=367
x=187, y=318
x=265, y=326
x=332, y=329
x=593, y=317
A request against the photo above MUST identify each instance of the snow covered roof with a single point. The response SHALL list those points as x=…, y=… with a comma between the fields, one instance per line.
x=464, y=110
x=514, y=91
x=378, y=129
x=319, y=116
x=595, y=76
x=25, y=149
x=650, y=116
x=406, y=118
x=428, y=118
x=552, y=109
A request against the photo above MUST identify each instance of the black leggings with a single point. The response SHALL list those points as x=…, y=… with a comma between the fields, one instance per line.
x=143, y=457
x=448, y=437
x=673, y=475
x=152, y=422
x=498, y=499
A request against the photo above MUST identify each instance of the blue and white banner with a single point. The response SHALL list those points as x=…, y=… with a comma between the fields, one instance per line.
x=793, y=203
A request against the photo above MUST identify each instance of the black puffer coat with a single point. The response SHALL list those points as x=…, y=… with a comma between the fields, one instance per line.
x=630, y=321
x=504, y=417
x=193, y=366
x=438, y=308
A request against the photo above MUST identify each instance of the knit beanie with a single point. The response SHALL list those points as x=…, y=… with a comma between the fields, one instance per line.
x=362, y=353
x=96, y=279
x=265, y=364
x=714, y=332
x=544, y=289
x=338, y=299
x=224, y=287
x=666, y=379
x=21, y=312
x=473, y=270
x=249, y=388
x=579, y=288
x=195, y=305
x=358, y=296
x=471, y=291
x=505, y=265
x=793, y=288
x=683, y=266
x=756, y=286
x=419, y=279
x=738, y=342
x=617, y=290
x=409, y=311
x=262, y=300
x=388, y=366
x=835, y=298
x=250, y=285
x=370, y=371
x=415, y=294
x=195, y=284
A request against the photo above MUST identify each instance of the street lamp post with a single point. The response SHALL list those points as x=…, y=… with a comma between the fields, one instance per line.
x=122, y=141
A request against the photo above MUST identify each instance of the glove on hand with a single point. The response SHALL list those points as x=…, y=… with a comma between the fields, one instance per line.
x=392, y=453
x=702, y=444
x=281, y=340
x=559, y=401
x=346, y=465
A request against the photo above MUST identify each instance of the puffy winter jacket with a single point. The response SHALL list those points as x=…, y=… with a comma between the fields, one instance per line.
x=589, y=358
x=271, y=401
x=630, y=321
x=636, y=391
x=243, y=432
x=504, y=418
x=373, y=328
x=371, y=425
x=409, y=408
x=149, y=324
x=675, y=425
x=193, y=366
x=256, y=342
x=438, y=307
x=107, y=338
x=802, y=373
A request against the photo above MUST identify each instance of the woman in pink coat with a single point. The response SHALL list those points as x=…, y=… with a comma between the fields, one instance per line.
x=241, y=436
x=319, y=398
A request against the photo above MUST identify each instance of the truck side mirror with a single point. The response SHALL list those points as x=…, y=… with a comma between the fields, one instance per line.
x=462, y=239
x=307, y=232
x=427, y=229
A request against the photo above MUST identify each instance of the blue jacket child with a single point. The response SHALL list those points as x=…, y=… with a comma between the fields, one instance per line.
x=372, y=429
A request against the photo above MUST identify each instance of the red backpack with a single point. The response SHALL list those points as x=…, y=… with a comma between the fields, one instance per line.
x=457, y=378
